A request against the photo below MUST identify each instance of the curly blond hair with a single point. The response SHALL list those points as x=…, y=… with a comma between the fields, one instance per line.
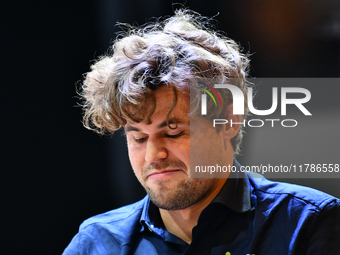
x=173, y=52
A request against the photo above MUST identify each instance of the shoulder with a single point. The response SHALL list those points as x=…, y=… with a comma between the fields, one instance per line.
x=295, y=198
x=310, y=217
x=117, y=217
x=111, y=231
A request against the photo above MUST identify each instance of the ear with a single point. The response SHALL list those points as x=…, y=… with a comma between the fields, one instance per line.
x=231, y=129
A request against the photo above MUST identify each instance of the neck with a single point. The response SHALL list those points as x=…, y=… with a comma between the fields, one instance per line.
x=181, y=222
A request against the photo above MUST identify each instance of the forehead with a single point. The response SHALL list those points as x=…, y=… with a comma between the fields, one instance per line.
x=167, y=100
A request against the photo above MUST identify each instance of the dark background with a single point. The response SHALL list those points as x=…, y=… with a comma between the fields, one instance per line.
x=55, y=173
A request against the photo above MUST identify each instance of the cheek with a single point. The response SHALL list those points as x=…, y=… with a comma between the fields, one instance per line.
x=136, y=157
x=182, y=152
x=208, y=150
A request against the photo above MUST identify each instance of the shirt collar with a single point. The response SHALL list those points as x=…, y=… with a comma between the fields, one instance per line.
x=236, y=192
x=149, y=211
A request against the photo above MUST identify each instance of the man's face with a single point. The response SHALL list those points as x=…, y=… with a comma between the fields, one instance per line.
x=160, y=155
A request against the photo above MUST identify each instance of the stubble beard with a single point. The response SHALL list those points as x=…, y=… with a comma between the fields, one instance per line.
x=187, y=192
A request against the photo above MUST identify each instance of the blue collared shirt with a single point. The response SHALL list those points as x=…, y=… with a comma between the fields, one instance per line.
x=250, y=215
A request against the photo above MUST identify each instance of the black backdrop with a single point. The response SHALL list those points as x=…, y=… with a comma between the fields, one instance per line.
x=55, y=173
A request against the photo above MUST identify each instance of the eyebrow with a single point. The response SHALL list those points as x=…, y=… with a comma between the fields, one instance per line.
x=129, y=127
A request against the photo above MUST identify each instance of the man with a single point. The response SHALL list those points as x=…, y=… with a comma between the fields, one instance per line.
x=151, y=86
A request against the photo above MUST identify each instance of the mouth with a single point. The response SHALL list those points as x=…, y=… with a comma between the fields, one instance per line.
x=163, y=174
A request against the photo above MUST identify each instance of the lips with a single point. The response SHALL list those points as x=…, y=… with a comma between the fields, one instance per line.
x=162, y=174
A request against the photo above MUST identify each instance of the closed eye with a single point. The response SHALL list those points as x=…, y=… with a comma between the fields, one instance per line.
x=141, y=140
x=175, y=136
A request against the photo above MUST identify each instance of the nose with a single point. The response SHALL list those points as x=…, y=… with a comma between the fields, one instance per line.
x=155, y=151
